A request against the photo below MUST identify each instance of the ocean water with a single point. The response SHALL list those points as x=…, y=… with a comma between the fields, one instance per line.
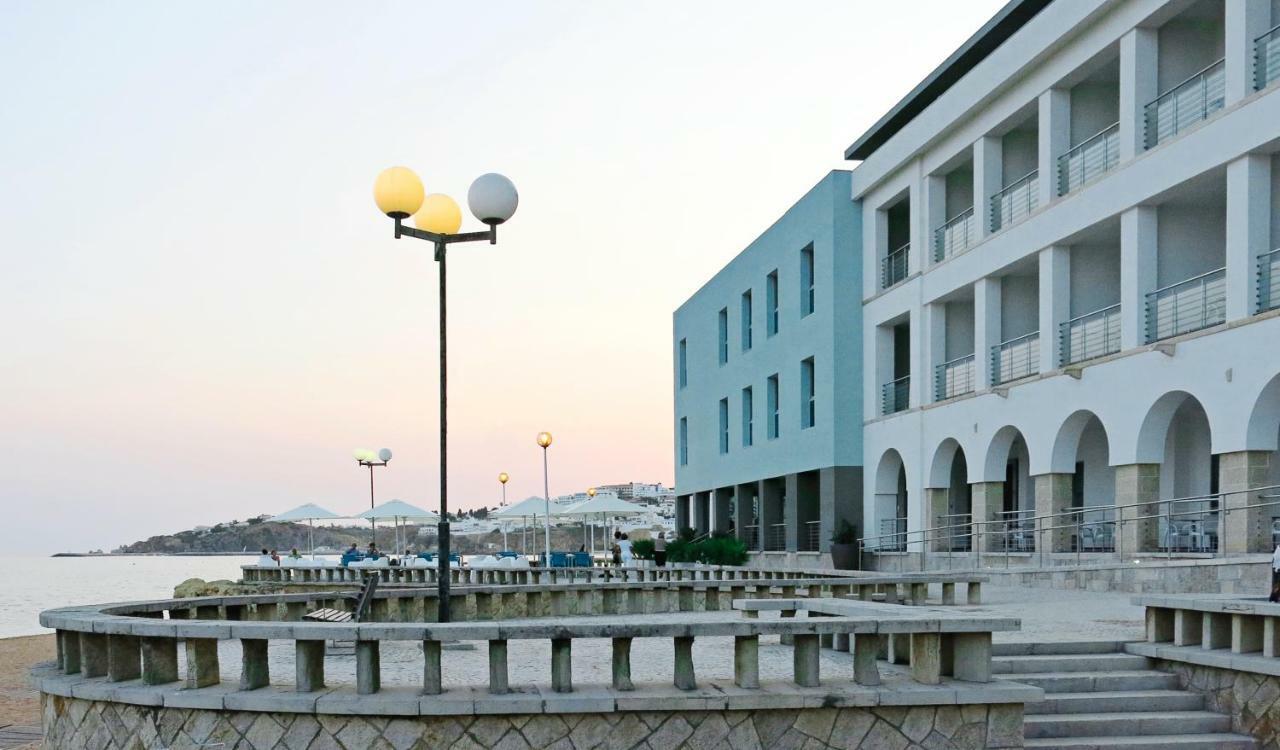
x=29, y=585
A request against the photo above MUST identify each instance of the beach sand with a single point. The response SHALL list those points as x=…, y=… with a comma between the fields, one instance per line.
x=19, y=704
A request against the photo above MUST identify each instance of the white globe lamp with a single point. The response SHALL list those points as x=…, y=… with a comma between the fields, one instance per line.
x=492, y=198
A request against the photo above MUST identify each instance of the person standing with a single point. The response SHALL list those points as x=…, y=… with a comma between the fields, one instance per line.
x=660, y=550
x=616, y=549
x=1275, y=574
x=624, y=547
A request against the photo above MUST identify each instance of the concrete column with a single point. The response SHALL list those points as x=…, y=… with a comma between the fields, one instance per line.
x=770, y=511
x=93, y=654
x=986, y=328
x=159, y=661
x=791, y=511
x=1187, y=627
x=368, y=667
x=1245, y=530
x=682, y=513
x=202, y=662
x=933, y=215
x=936, y=500
x=917, y=230
x=1137, y=483
x=934, y=329
x=69, y=651
x=562, y=665
x=721, y=497
x=866, y=646
x=971, y=657
x=988, y=173
x=926, y=658
x=1137, y=272
x=1248, y=227
x=431, y=683
x=254, y=669
x=744, y=498
x=498, y=667
x=684, y=676
x=1055, y=301
x=1246, y=634
x=806, y=656
x=987, y=501
x=746, y=661
x=1055, y=139
x=702, y=512
x=309, y=665
x=1138, y=83
x=839, y=499
x=622, y=664
x=916, y=386
x=124, y=658
x=1246, y=20
x=1053, y=495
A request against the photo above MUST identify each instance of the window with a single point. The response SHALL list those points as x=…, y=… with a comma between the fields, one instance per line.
x=808, y=406
x=684, y=441
x=724, y=335
x=683, y=358
x=806, y=281
x=748, y=417
x=746, y=320
x=771, y=396
x=771, y=302
x=724, y=425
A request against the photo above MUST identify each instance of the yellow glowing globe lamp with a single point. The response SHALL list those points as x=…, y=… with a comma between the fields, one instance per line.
x=591, y=492
x=504, y=478
x=544, y=439
x=439, y=214
x=398, y=192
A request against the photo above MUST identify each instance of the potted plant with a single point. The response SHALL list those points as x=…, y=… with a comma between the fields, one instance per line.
x=844, y=547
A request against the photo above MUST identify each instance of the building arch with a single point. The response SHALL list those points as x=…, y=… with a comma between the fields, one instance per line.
x=1262, y=433
x=1066, y=444
x=1154, y=431
x=1008, y=461
x=944, y=458
x=892, y=501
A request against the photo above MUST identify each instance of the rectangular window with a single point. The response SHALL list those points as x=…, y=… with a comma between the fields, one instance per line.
x=684, y=441
x=746, y=320
x=724, y=425
x=683, y=358
x=806, y=281
x=771, y=399
x=808, y=405
x=748, y=417
x=771, y=302
x=724, y=335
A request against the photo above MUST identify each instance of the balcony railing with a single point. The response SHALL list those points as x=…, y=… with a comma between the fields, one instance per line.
x=776, y=537
x=1269, y=280
x=1190, y=305
x=1092, y=157
x=954, y=237
x=1015, y=201
x=750, y=536
x=1186, y=104
x=1266, y=59
x=1091, y=335
x=954, y=378
x=1015, y=358
x=1016, y=531
x=893, y=267
x=810, y=536
x=894, y=395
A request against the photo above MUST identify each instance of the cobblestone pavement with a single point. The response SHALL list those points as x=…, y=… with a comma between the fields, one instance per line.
x=1050, y=615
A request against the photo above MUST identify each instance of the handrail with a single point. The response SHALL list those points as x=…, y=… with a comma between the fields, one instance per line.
x=945, y=244
x=1016, y=358
x=893, y=266
x=1091, y=160
x=963, y=383
x=1266, y=57
x=1163, y=118
x=895, y=396
x=1199, y=73
x=1186, y=281
x=1268, y=280
x=1088, y=331
x=1169, y=313
x=1009, y=207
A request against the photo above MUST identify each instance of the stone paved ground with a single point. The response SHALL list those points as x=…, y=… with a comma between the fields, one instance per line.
x=1063, y=615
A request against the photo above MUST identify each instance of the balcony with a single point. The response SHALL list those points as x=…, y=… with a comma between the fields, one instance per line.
x=893, y=267
x=1015, y=358
x=1016, y=201
x=894, y=395
x=810, y=536
x=1269, y=281
x=954, y=237
x=954, y=378
x=1186, y=104
x=1266, y=59
x=775, y=537
x=1091, y=158
x=1187, y=306
x=1089, y=336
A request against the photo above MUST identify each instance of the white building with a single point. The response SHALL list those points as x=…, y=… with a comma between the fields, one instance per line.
x=1068, y=288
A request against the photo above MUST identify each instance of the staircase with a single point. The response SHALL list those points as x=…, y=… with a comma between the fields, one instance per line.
x=1097, y=696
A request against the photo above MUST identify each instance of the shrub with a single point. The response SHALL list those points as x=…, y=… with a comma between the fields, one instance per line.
x=642, y=549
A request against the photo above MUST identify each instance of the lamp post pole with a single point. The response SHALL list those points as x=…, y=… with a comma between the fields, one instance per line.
x=502, y=479
x=544, y=441
x=366, y=458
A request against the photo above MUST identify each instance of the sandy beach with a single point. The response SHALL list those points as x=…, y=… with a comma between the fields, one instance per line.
x=19, y=704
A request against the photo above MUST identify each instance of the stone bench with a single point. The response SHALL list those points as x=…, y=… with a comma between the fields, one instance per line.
x=333, y=573
x=1226, y=631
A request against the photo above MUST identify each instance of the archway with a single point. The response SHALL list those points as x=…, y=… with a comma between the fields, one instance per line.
x=1083, y=450
x=950, y=499
x=891, y=501
x=1008, y=459
x=1175, y=434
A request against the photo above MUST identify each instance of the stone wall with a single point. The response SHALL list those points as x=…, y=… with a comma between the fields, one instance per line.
x=96, y=725
x=1252, y=700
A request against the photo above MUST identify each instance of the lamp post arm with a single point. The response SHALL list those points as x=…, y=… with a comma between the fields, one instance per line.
x=491, y=236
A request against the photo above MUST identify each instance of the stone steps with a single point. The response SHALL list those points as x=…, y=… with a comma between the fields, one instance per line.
x=1126, y=723
x=1118, y=700
x=1221, y=741
x=1057, y=649
x=1092, y=682
x=1067, y=663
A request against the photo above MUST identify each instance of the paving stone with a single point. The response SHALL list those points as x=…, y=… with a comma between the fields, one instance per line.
x=673, y=732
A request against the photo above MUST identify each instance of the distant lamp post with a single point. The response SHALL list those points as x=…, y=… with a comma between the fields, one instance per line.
x=503, y=478
x=492, y=199
x=366, y=457
x=591, y=493
x=544, y=442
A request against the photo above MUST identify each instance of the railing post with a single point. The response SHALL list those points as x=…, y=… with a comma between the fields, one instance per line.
x=562, y=665
x=865, y=648
x=309, y=665
x=431, y=683
x=622, y=664
x=498, y=666
x=124, y=658
x=805, y=660
x=746, y=661
x=159, y=661
x=684, y=675
x=254, y=664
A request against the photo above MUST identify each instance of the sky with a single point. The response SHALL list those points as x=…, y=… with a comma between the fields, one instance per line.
x=204, y=312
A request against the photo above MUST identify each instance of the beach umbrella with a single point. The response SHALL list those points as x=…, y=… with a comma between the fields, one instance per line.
x=398, y=510
x=602, y=505
x=310, y=513
x=529, y=507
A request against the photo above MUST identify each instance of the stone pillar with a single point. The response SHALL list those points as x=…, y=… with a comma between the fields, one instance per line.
x=1055, y=139
x=562, y=665
x=159, y=661
x=682, y=513
x=937, y=502
x=1248, y=226
x=988, y=175
x=498, y=667
x=771, y=491
x=431, y=683
x=971, y=656
x=124, y=658
x=1245, y=530
x=1245, y=21
x=93, y=654
x=309, y=663
x=70, y=651
x=1137, y=272
x=1137, y=483
x=1053, y=495
x=702, y=512
x=806, y=656
x=720, y=502
x=684, y=676
x=1055, y=301
x=746, y=661
x=926, y=658
x=202, y=662
x=986, y=328
x=987, y=501
x=866, y=646
x=791, y=511
x=622, y=664
x=744, y=498
x=1138, y=84
x=254, y=669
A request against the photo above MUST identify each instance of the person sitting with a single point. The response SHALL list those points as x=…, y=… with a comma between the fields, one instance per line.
x=275, y=556
x=265, y=559
x=372, y=552
x=351, y=555
x=294, y=555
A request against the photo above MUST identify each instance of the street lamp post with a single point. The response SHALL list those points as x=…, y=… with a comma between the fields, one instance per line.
x=544, y=442
x=503, y=478
x=492, y=199
x=591, y=493
x=365, y=457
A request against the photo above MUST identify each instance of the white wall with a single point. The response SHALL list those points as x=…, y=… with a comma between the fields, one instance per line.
x=1094, y=106
x=959, y=192
x=1019, y=153
x=1192, y=239
x=1099, y=477
x=1095, y=277
x=1019, y=306
x=1186, y=473
x=959, y=329
x=1189, y=42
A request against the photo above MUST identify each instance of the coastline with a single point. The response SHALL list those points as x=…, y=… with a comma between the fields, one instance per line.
x=19, y=704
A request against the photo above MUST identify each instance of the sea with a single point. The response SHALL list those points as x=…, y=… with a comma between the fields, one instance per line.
x=29, y=585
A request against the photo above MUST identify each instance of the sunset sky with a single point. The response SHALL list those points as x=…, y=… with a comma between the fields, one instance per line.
x=205, y=312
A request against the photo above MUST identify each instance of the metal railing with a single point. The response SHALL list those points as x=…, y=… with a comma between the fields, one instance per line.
x=1266, y=59
x=958, y=234
x=893, y=267
x=1269, y=280
x=1192, y=525
x=895, y=395
x=960, y=536
x=1015, y=358
x=1091, y=335
x=1015, y=201
x=1198, y=302
x=954, y=378
x=811, y=536
x=1093, y=156
x=1186, y=104
x=775, y=539
x=750, y=536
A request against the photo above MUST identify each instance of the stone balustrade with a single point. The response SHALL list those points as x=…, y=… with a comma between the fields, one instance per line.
x=334, y=573
x=1226, y=632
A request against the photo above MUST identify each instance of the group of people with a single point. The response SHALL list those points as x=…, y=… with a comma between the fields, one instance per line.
x=623, y=553
x=275, y=556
